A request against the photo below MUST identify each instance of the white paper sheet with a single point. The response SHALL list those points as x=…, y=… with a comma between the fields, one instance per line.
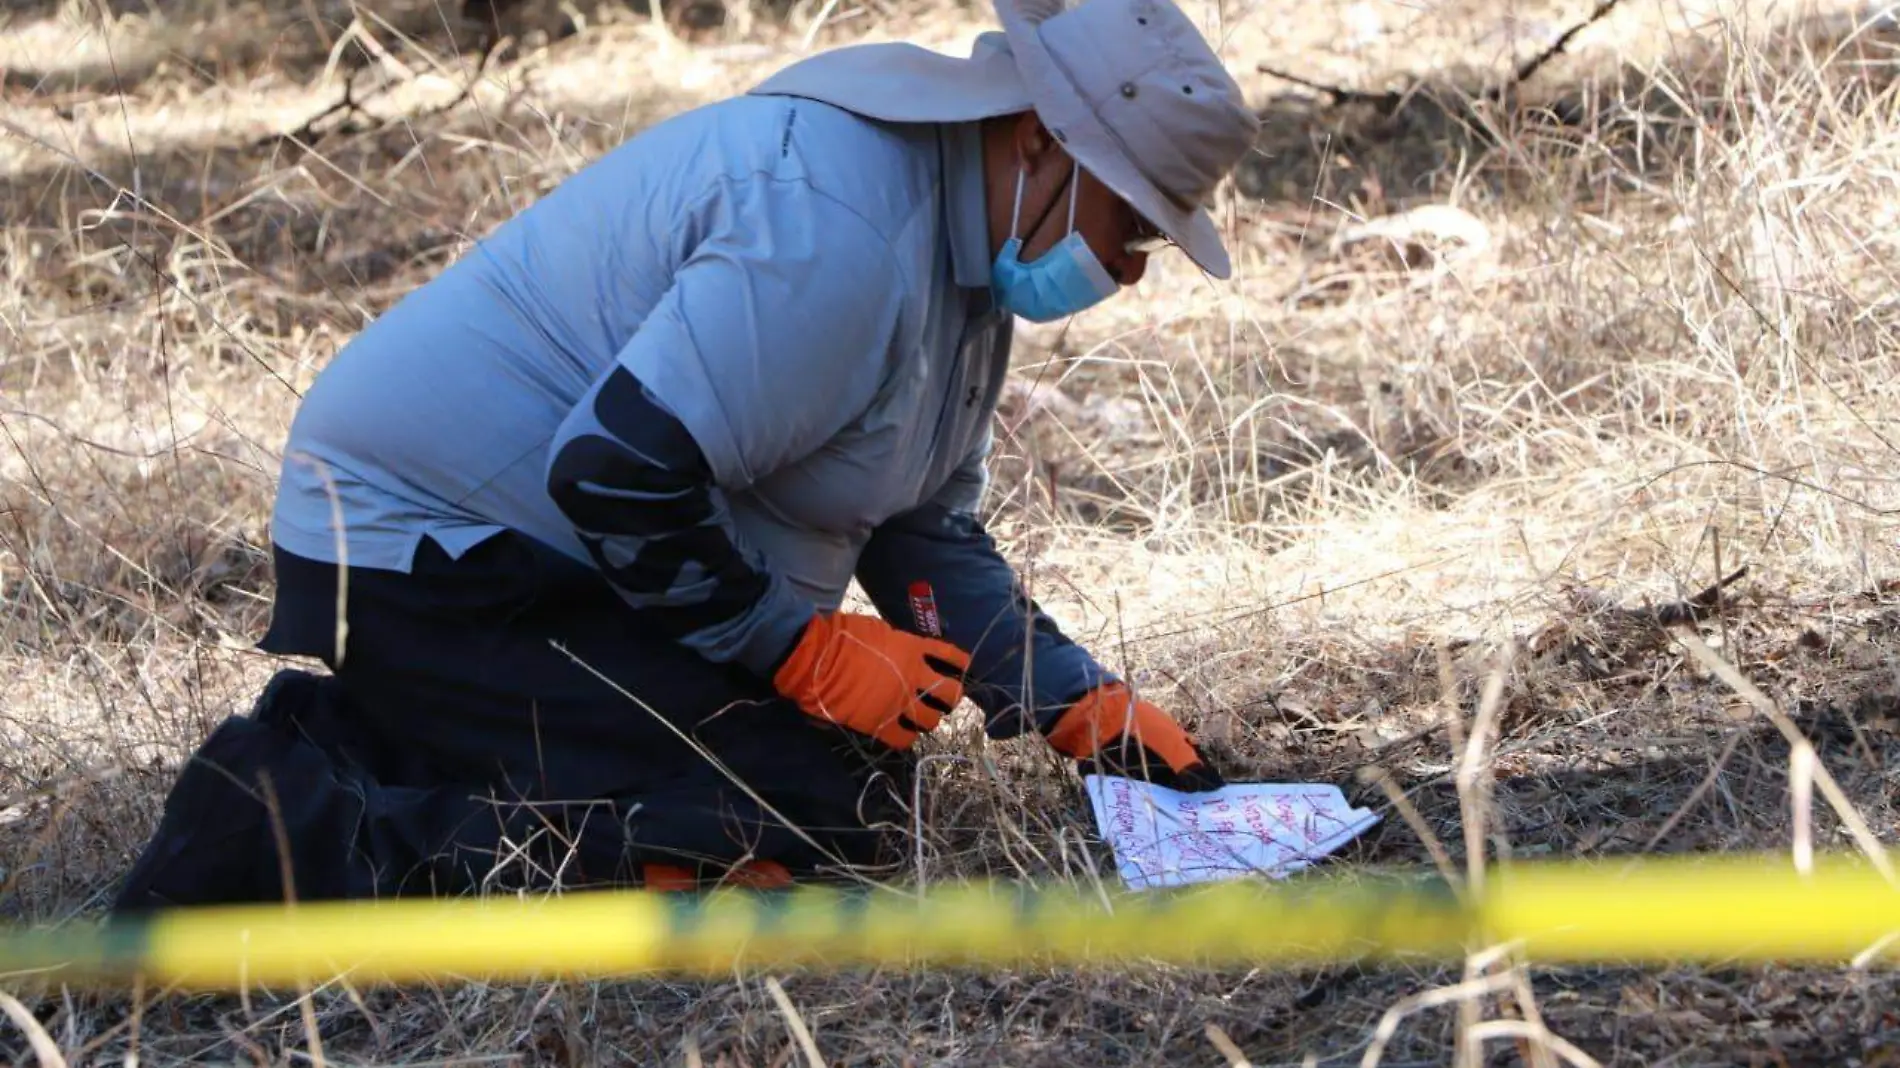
x=1163, y=837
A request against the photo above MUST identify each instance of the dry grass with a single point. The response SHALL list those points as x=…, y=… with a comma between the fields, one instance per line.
x=1279, y=503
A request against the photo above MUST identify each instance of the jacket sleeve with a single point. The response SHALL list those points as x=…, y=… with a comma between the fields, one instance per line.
x=776, y=331
x=936, y=569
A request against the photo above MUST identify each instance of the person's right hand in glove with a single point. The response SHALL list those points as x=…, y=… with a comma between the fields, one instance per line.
x=862, y=673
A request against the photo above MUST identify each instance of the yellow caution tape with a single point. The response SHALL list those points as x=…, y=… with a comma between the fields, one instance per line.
x=1734, y=909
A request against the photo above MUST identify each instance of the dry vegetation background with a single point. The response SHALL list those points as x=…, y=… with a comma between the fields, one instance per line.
x=1499, y=370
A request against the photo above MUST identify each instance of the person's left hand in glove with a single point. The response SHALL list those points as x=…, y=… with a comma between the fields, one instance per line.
x=1110, y=731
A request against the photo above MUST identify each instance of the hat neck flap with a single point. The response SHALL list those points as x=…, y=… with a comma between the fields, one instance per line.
x=902, y=82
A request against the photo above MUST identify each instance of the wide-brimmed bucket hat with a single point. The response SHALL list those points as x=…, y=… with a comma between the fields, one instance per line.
x=1130, y=88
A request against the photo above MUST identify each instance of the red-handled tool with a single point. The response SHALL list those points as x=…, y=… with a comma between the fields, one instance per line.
x=923, y=609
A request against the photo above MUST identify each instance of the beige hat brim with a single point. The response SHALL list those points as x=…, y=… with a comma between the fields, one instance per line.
x=1095, y=146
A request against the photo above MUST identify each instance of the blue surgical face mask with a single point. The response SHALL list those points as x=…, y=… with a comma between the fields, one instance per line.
x=1063, y=281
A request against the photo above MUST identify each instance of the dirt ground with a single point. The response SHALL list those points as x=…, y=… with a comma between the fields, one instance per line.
x=1508, y=366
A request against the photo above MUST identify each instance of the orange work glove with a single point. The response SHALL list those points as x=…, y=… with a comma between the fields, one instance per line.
x=1111, y=732
x=862, y=673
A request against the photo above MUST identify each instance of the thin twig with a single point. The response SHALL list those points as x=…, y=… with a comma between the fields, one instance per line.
x=1389, y=101
x=1236, y=1057
x=43, y=1045
x=1557, y=47
x=1389, y=1023
x=1801, y=764
x=1541, y=1041
x=1698, y=608
x=1837, y=798
x=1535, y=1033
x=350, y=103
x=1695, y=795
x=1416, y=820
x=1386, y=101
x=796, y=1022
x=1473, y=770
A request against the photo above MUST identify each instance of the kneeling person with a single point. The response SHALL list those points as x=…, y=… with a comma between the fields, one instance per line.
x=571, y=524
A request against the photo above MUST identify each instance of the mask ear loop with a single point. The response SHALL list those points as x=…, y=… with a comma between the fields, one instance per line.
x=1016, y=213
x=1075, y=182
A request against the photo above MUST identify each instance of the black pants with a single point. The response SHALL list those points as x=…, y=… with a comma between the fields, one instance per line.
x=504, y=721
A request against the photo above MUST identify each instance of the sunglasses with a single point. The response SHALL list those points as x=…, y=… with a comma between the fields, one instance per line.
x=1147, y=239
